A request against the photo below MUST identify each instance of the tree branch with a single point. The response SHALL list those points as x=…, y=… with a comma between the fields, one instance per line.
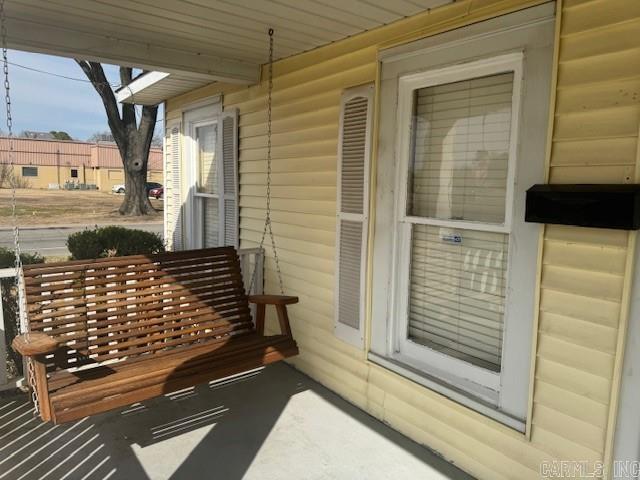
x=95, y=74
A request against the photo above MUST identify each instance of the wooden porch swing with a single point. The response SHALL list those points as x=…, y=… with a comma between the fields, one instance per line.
x=105, y=333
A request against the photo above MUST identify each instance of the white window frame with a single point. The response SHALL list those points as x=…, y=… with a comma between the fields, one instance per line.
x=440, y=364
x=354, y=336
x=195, y=118
x=530, y=31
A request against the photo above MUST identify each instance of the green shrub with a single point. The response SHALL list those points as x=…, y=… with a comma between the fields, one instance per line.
x=7, y=258
x=113, y=241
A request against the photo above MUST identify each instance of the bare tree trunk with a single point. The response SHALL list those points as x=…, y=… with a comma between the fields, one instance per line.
x=136, y=201
x=132, y=137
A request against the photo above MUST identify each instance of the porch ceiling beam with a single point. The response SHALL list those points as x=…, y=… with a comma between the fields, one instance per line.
x=42, y=36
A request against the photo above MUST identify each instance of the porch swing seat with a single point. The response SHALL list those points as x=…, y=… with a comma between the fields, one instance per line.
x=107, y=333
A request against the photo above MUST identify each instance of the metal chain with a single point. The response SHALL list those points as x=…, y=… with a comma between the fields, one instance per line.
x=16, y=231
x=267, y=221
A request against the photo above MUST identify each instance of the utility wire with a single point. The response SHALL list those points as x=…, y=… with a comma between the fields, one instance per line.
x=84, y=80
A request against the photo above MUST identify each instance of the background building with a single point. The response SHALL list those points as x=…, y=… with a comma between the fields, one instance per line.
x=45, y=163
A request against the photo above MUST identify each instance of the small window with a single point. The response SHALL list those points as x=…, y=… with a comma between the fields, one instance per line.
x=74, y=173
x=29, y=171
x=207, y=181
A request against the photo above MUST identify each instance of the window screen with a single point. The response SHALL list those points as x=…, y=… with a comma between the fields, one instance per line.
x=461, y=150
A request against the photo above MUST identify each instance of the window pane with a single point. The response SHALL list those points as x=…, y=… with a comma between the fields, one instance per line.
x=457, y=292
x=207, y=181
x=210, y=222
x=458, y=168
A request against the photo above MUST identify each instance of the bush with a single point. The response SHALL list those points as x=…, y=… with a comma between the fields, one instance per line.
x=113, y=241
x=8, y=258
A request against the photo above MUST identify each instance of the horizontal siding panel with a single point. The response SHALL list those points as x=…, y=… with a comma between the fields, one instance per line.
x=577, y=381
x=320, y=237
x=339, y=80
x=285, y=205
x=291, y=165
x=604, y=95
x=318, y=133
x=582, y=282
x=574, y=430
x=300, y=193
x=612, y=122
x=611, y=67
x=596, y=152
x=575, y=356
x=599, y=174
x=320, y=222
x=587, y=236
x=595, y=310
x=599, y=338
x=619, y=37
x=598, y=14
x=287, y=244
x=560, y=447
x=571, y=404
x=293, y=123
x=597, y=258
x=291, y=179
x=311, y=149
x=311, y=103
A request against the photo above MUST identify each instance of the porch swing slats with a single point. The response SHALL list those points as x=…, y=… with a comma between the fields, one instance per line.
x=109, y=332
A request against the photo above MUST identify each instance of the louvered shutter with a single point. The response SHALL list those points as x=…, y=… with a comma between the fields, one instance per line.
x=173, y=198
x=352, y=216
x=228, y=180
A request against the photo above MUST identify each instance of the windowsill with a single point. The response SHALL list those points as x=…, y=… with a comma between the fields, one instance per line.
x=457, y=395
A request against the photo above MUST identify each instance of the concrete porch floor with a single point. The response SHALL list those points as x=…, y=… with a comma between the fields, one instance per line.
x=275, y=423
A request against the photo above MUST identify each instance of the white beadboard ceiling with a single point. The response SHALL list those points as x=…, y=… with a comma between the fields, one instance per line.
x=209, y=40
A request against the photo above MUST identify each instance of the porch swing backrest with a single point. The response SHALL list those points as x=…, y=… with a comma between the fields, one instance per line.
x=141, y=314
x=120, y=308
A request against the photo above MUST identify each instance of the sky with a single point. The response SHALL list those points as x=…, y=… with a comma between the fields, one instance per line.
x=43, y=102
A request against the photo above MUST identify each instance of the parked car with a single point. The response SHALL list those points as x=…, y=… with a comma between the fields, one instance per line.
x=156, y=193
x=150, y=186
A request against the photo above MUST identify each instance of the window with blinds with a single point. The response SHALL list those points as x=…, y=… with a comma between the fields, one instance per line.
x=457, y=179
x=461, y=150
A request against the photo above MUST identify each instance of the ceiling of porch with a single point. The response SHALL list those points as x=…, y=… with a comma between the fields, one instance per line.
x=209, y=40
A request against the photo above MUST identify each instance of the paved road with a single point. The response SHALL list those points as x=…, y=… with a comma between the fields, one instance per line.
x=51, y=241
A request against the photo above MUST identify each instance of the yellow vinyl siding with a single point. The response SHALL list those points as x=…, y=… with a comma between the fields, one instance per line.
x=584, y=272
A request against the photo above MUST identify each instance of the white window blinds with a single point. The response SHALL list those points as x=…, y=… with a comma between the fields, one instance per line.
x=352, y=217
x=458, y=285
x=461, y=150
x=458, y=171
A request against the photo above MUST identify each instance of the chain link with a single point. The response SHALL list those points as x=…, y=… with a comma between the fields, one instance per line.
x=267, y=221
x=31, y=377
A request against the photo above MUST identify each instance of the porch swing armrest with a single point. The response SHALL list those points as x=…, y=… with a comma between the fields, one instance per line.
x=273, y=299
x=280, y=302
x=32, y=344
